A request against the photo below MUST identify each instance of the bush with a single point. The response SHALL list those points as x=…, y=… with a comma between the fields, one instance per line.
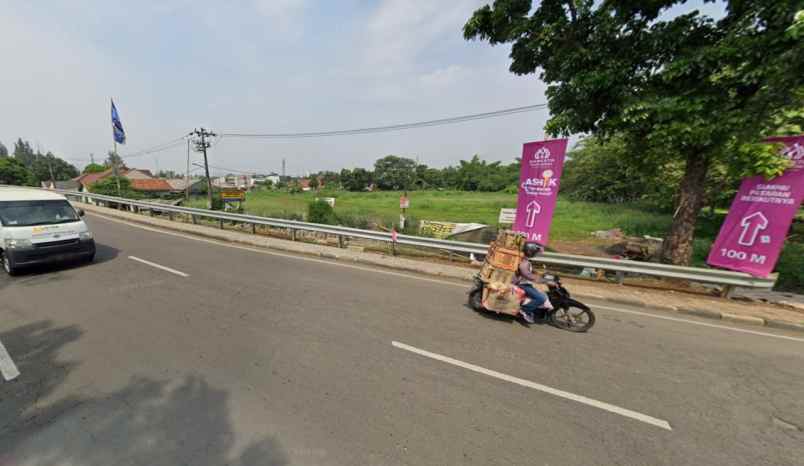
x=321, y=212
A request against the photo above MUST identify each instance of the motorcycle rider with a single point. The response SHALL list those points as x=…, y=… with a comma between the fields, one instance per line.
x=526, y=279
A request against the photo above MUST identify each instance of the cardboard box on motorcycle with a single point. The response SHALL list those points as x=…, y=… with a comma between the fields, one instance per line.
x=499, y=270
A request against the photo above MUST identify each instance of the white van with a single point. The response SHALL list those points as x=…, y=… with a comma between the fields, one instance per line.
x=38, y=227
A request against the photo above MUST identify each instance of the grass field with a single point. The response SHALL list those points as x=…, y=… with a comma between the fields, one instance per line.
x=573, y=221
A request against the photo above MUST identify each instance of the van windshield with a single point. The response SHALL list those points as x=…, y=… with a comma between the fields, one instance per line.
x=28, y=213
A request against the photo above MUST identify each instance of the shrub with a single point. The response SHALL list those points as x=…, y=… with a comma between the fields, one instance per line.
x=321, y=212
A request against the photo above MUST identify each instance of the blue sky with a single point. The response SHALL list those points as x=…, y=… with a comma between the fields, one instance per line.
x=261, y=66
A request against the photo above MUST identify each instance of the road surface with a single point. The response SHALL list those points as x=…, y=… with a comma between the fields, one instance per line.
x=170, y=350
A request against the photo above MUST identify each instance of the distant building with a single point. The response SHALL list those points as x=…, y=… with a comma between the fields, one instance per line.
x=69, y=185
x=178, y=185
x=157, y=186
x=136, y=174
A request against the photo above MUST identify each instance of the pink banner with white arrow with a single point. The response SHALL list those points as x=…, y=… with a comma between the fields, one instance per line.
x=539, y=176
x=754, y=231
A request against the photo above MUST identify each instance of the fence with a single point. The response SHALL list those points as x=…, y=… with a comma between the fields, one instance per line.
x=727, y=279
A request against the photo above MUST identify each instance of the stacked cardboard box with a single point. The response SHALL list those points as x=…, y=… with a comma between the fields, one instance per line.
x=499, y=270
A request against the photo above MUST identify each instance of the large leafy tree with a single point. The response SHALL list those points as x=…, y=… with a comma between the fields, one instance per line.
x=356, y=180
x=93, y=168
x=24, y=152
x=13, y=172
x=49, y=166
x=685, y=89
x=392, y=172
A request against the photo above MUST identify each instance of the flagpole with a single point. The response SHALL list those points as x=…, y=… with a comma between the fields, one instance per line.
x=114, y=166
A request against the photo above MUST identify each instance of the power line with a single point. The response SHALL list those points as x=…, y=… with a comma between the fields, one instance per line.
x=397, y=127
x=157, y=148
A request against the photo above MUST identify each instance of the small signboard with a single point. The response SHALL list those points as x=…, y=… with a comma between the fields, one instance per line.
x=233, y=195
x=404, y=202
x=507, y=216
x=328, y=200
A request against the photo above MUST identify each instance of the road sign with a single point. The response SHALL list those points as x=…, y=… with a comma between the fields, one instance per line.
x=404, y=202
x=507, y=217
x=233, y=195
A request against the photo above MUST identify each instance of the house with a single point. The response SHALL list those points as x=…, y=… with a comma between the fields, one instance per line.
x=304, y=183
x=88, y=179
x=179, y=185
x=273, y=178
x=69, y=185
x=136, y=174
x=154, y=186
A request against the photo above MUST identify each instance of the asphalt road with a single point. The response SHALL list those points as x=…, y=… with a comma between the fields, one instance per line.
x=231, y=356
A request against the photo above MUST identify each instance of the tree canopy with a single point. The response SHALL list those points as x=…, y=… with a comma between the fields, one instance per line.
x=684, y=88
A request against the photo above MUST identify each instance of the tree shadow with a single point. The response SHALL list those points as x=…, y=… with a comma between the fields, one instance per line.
x=34, y=349
x=147, y=422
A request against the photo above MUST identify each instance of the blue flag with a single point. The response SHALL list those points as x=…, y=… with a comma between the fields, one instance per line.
x=117, y=127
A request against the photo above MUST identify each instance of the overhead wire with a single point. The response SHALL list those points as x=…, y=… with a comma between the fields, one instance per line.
x=381, y=129
x=157, y=148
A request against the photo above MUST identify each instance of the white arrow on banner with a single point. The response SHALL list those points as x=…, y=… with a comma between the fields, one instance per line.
x=752, y=225
x=533, y=209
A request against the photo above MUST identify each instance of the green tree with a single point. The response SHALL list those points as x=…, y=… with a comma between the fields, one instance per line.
x=112, y=159
x=13, y=172
x=394, y=173
x=684, y=89
x=356, y=180
x=94, y=168
x=3, y=150
x=314, y=184
x=108, y=186
x=24, y=152
x=46, y=166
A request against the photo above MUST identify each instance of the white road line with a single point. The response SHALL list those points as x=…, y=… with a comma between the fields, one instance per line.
x=661, y=423
x=161, y=267
x=688, y=321
x=432, y=280
x=7, y=366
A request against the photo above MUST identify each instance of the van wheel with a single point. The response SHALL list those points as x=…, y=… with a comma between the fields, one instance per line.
x=11, y=270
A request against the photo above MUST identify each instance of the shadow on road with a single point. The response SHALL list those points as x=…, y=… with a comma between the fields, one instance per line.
x=34, y=349
x=49, y=272
x=147, y=422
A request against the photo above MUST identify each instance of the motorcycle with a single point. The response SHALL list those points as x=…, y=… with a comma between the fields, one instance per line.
x=567, y=313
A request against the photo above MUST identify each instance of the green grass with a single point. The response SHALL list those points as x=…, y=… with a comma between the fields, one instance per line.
x=573, y=221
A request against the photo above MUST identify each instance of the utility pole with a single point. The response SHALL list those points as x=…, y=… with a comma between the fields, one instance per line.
x=187, y=175
x=202, y=146
x=92, y=159
x=283, y=169
x=50, y=168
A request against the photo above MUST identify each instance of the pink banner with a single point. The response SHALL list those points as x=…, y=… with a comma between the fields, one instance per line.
x=753, y=234
x=539, y=178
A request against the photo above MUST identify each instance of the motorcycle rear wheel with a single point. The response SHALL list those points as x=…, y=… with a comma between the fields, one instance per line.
x=573, y=319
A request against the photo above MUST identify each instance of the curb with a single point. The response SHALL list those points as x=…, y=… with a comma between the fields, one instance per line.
x=381, y=261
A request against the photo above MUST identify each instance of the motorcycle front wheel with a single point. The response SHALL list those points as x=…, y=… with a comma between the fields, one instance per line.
x=573, y=318
x=476, y=299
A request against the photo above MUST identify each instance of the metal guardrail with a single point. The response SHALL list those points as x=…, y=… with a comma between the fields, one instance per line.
x=694, y=274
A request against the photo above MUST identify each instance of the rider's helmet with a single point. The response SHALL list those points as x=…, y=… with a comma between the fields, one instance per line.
x=531, y=248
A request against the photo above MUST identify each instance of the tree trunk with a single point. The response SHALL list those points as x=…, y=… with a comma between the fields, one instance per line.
x=678, y=244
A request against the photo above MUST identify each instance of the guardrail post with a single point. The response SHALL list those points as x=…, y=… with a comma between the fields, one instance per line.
x=340, y=241
x=727, y=291
x=254, y=228
x=194, y=219
x=293, y=234
x=151, y=211
x=620, y=277
x=221, y=223
x=170, y=216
